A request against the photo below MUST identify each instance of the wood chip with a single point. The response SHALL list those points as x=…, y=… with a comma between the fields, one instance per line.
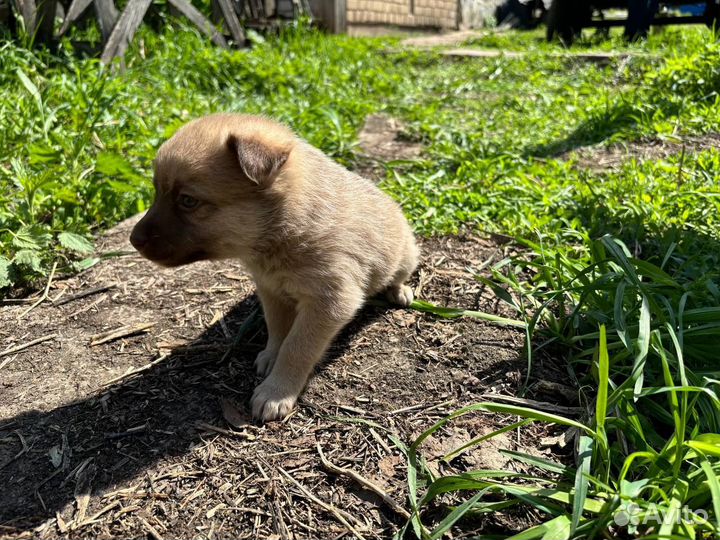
x=150, y=529
x=233, y=416
x=83, y=487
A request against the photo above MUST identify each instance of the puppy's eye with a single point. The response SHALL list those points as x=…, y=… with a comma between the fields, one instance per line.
x=187, y=202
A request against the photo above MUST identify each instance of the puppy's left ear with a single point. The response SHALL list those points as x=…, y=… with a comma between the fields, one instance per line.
x=260, y=162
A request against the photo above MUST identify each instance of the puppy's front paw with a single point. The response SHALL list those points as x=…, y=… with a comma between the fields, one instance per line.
x=273, y=400
x=401, y=295
x=265, y=361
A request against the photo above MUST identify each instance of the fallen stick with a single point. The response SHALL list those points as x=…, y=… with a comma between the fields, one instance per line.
x=209, y=427
x=150, y=529
x=130, y=372
x=20, y=453
x=94, y=518
x=549, y=407
x=330, y=508
x=44, y=294
x=364, y=482
x=83, y=294
x=23, y=346
x=118, y=333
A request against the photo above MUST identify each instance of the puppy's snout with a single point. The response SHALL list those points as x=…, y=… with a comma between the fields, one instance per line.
x=139, y=237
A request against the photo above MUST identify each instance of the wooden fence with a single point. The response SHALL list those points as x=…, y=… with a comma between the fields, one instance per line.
x=118, y=27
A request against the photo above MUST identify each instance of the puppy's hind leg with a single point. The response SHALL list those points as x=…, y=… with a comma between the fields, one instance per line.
x=316, y=325
x=398, y=292
x=279, y=313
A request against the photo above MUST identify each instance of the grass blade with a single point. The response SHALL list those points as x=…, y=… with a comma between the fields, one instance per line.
x=585, y=452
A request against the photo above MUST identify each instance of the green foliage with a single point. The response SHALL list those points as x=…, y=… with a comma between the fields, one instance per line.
x=649, y=452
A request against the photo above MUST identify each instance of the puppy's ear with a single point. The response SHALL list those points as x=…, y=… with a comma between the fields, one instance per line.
x=260, y=162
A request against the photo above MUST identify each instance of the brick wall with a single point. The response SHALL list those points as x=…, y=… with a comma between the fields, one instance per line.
x=432, y=13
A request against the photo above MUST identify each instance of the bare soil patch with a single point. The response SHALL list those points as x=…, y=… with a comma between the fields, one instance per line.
x=443, y=40
x=382, y=139
x=603, y=158
x=601, y=57
x=148, y=435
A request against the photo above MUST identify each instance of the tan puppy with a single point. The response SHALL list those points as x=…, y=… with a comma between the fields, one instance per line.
x=317, y=239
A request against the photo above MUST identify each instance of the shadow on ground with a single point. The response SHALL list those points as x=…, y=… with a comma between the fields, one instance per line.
x=123, y=430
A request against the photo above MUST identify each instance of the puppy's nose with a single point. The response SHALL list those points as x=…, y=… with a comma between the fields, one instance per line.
x=138, y=238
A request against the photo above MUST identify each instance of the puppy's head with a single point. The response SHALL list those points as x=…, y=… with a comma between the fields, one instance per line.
x=215, y=189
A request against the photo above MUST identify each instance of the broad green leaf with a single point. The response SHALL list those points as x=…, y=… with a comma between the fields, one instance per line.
x=33, y=238
x=654, y=272
x=31, y=88
x=75, y=242
x=111, y=164
x=29, y=258
x=4, y=272
x=42, y=154
x=704, y=447
x=601, y=402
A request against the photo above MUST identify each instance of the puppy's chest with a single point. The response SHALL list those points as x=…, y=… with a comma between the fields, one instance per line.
x=282, y=281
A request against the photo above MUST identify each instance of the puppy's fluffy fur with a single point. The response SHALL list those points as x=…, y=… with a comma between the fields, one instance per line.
x=317, y=239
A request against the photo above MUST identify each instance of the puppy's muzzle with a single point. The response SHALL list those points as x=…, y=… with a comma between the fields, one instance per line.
x=139, y=238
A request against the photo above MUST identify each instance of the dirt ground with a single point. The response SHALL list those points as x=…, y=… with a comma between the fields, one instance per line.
x=124, y=410
x=603, y=158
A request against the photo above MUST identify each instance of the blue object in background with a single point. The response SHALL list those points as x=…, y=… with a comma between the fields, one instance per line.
x=693, y=9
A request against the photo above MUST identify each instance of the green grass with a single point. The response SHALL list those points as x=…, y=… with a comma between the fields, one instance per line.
x=618, y=277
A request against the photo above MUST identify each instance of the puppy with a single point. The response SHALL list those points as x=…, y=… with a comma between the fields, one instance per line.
x=316, y=238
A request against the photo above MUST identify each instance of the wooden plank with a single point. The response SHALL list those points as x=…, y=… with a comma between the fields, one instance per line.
x=331, y=14
x=125, y=29
x=77, y=8
x=45, y=21
x=5, y=13
x=27, y=10
x=216, y=13
x=199, y=20
x=232, y=21
x=107, y=15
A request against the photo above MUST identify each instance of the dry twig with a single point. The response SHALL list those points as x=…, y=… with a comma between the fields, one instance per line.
x=136, y=370
x=20, y=453
x=44, y=294
x=121, y=332
x=364, y=482
x=23, y=346
x=83, y=294
x=330, y=508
